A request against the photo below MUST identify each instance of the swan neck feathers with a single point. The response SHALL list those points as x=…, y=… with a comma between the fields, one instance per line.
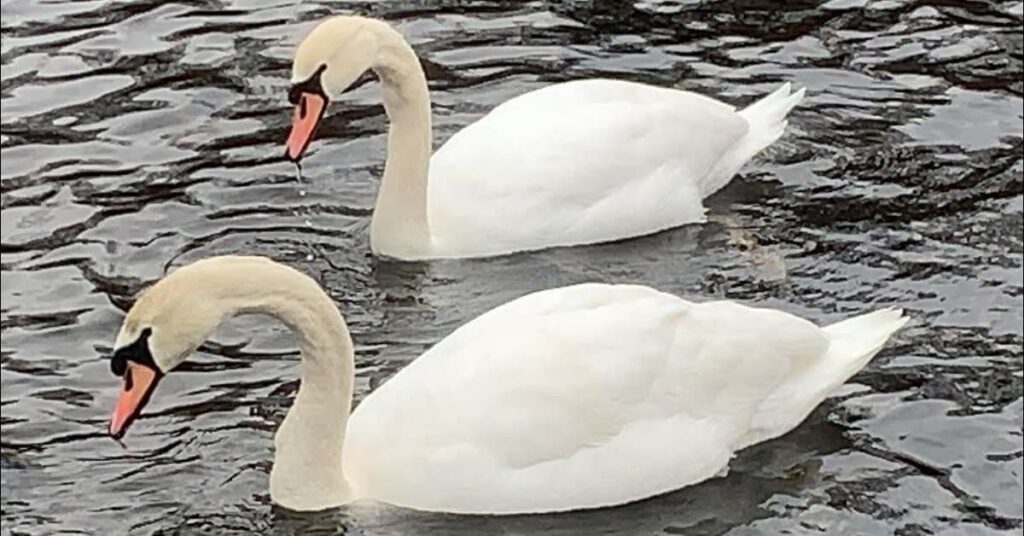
x=344, y=47
x=187, y=306
x=400, y=225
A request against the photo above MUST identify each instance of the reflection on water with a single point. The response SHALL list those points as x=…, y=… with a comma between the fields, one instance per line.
x=142, y=135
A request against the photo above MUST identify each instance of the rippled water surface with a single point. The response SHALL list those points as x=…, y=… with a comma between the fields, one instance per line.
x=139, y=136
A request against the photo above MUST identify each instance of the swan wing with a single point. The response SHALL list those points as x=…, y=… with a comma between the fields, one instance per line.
x=579, y=162
x=571, y=398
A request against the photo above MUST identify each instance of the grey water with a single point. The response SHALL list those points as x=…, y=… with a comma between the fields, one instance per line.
x=140, y=136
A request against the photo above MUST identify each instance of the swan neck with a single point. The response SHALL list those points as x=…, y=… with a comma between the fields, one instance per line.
x=400, y=225
x=307, y=472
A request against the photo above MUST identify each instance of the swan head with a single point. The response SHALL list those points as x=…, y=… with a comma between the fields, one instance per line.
x=164, y=327
x=328, y=61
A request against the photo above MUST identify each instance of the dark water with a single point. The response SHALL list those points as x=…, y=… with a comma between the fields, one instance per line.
x=143, y=135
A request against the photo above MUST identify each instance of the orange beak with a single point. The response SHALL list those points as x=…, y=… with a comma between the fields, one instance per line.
x=308, y=112
x=139, y=381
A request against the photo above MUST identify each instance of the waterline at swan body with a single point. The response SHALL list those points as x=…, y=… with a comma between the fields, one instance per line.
x=573, y=163
x=578, y=397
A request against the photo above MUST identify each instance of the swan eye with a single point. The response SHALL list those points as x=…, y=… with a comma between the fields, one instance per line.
x=136, y=351
x=310, y=85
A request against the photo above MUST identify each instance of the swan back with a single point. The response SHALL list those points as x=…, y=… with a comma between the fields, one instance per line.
x=578, y=162
x=579, y=397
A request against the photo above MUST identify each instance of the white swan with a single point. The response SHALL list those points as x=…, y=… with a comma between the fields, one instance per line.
x=578, y=397
x=573, y=163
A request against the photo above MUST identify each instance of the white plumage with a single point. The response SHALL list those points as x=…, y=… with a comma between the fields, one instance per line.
x=594, y=395
x=590, y=161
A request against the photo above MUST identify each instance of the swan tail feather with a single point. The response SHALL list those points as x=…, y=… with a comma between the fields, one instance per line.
x=766, y=121
x=767, y=117
x=852, y=344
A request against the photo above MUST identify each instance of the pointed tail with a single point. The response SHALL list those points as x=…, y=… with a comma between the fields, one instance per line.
x=766, y=121
x=767, y=117
x=854, y=341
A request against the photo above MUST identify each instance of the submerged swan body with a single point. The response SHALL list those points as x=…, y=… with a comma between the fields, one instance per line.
x=578, y=397
x=573, y=163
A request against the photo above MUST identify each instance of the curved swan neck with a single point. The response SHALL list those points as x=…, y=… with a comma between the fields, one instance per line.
x=400, y=225
x=307, y=472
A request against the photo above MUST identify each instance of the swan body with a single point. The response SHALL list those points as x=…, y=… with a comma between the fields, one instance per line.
x=573, y=163
x=578, y=397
